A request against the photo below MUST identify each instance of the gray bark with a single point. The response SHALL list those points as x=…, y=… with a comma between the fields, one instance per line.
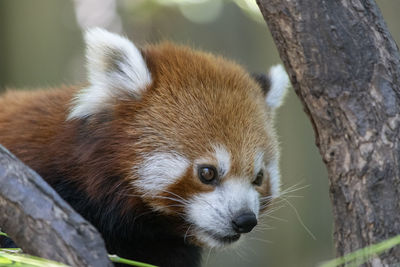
x=42, y=223
x=344, y=67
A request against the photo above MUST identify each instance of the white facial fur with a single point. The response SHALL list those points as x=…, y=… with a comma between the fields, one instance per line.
x=115, y=68
x=221, y=155
x=160, y=170
x=278, y=89
x=274, y=177
x=212, y=213
x=224, y=159
x=273, y=171
x=258, y=162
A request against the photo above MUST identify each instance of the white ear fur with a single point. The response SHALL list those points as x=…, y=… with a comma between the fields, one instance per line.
x=115, y=68
x=279, y=83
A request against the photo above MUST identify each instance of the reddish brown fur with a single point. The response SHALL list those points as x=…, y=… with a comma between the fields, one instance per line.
x=102, y=149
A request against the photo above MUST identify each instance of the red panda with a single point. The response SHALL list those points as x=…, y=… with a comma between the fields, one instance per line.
x=166, y=151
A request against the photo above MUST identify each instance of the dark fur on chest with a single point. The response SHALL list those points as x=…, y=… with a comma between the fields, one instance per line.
x=140, y=235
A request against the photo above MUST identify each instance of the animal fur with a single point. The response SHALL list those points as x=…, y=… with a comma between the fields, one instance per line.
x=125, y=150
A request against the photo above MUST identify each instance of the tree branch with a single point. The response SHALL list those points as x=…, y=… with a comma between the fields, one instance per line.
x=345, y=68
x=42, y=223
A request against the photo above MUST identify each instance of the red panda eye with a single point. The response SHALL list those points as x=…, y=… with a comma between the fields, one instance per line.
x=208, y=174
x=259, y=178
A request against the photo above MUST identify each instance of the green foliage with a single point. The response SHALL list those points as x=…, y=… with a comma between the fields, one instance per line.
x=3, y=234
x=12, y=257
x=15, y=257
x=360, y=256
x=115, y=258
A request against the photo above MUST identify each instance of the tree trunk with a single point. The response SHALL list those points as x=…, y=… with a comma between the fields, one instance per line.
x=42, y=223
x=344, y=66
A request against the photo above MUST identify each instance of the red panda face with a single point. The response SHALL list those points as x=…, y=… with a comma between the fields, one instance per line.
x=202, y=145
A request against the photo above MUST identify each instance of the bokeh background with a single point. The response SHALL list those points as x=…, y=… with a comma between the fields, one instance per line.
x=41, y=45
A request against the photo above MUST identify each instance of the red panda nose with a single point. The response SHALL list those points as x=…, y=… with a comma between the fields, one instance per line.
x=244, y=222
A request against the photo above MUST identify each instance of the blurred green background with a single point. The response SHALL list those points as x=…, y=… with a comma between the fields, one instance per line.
x=41, y=45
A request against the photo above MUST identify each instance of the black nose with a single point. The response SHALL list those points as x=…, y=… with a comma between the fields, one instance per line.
x=244, y=223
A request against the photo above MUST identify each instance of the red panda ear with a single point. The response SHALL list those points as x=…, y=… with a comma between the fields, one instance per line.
x=116, y=69
x=274, y=85
x=262, y=80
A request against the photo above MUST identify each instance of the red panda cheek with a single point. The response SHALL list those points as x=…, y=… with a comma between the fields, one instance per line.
x=153, y=176
x=265, y=193
x=157, y=171
x=178, y=193
x=270, y=189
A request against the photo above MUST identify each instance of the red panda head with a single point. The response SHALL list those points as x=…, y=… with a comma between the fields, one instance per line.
x=198, y=129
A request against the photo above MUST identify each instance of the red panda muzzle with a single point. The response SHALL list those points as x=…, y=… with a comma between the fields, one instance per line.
x=166, y=151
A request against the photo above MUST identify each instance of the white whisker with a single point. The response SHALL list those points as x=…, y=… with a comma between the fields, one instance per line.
x=208, y=256
x=186, y=233
x=300, y=220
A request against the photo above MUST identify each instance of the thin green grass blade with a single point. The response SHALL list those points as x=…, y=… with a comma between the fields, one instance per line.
x=115, y=258
x=11, y=258
x=3, y=234
x=362, y=255
x=11, y=250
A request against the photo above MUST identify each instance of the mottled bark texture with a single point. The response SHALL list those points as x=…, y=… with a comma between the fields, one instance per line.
x=344, y=66
x=42, y=223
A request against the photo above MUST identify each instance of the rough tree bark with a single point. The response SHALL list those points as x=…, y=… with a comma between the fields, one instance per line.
x=42, y=223
x=344, y=66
